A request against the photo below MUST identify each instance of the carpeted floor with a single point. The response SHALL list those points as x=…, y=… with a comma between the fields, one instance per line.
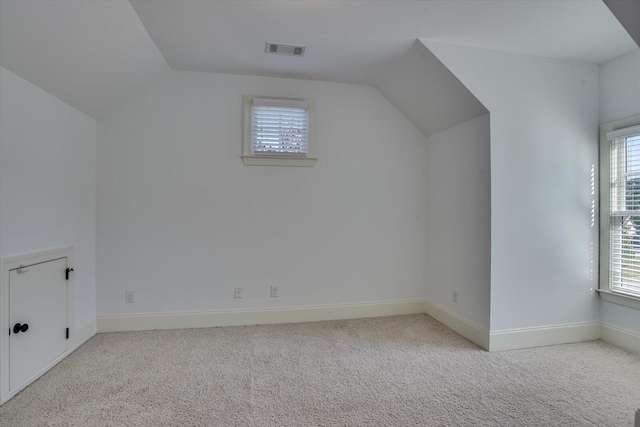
x=394, y=371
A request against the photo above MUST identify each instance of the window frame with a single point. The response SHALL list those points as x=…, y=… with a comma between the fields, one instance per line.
x=604, y=289
x=250, y=159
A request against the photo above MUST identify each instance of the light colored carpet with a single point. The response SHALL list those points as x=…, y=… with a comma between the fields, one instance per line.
x=394, y=371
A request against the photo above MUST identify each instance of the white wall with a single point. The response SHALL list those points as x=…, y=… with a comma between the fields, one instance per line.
x=181, y=221
x=620, y=87
x=544, y=131
x=48, y=181
x=620, y=98
x=459, y=220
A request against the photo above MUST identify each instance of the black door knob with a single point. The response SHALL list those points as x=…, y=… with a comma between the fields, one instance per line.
x=17, y=328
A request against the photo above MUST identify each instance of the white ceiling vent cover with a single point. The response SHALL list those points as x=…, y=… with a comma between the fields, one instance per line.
x=284, y=49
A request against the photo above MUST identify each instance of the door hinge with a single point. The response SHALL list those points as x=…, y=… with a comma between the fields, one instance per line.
x=68, y=270
x=67, y=333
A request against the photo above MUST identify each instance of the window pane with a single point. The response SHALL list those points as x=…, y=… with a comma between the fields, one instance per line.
x=625, y=215
x=633, y=155
x=279, y=130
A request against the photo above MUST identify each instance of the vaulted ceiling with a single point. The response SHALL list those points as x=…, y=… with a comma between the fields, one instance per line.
x=354, y=41
x=94, y=55
x=91, y=54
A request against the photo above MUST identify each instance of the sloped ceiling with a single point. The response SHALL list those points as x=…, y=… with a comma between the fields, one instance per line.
x=427, y=93
x=356, y=41
x=628, y=13
x=96, y=54
x=93, y=55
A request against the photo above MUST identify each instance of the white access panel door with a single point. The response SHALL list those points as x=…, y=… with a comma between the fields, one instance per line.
x=37, y=299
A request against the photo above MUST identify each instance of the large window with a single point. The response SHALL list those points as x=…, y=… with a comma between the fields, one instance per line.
x=278, y=132
x=620, y=211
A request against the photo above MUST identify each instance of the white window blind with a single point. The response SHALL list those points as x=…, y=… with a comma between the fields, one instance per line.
x=624, y=210
x=279, y=127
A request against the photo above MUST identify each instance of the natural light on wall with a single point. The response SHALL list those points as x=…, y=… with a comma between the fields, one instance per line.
x=592, y=250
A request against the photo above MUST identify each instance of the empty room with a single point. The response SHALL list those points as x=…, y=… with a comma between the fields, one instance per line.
x=319, y=213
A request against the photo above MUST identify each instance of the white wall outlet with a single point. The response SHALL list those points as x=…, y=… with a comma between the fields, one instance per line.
x=274, y=292
x=454, y=296
x=237, y=292
x=128, y=297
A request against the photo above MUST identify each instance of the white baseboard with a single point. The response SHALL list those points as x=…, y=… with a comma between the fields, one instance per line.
x=474, y=333
x=85, y=332
x=622, y=338
x=208, y=319
x=513, y=339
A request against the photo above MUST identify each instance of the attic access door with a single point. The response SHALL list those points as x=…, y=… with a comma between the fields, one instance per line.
x=37, y=307
x=37, y=319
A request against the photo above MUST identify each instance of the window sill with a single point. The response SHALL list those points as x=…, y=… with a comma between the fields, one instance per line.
x=278, y=161
x=620, y=299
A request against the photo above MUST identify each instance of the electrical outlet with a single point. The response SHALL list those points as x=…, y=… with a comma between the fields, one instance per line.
x=128, y=297
x=454, y=297
x=274, y=292
x=237, y=292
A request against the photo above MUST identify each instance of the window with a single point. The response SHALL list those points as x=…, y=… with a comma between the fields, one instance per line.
x=620, y=211
x=278, y=132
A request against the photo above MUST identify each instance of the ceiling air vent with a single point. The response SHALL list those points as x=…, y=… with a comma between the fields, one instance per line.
x=284, y=49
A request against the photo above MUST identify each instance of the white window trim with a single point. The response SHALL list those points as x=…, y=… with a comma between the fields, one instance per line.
x=605, y=287
x=248, y=158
